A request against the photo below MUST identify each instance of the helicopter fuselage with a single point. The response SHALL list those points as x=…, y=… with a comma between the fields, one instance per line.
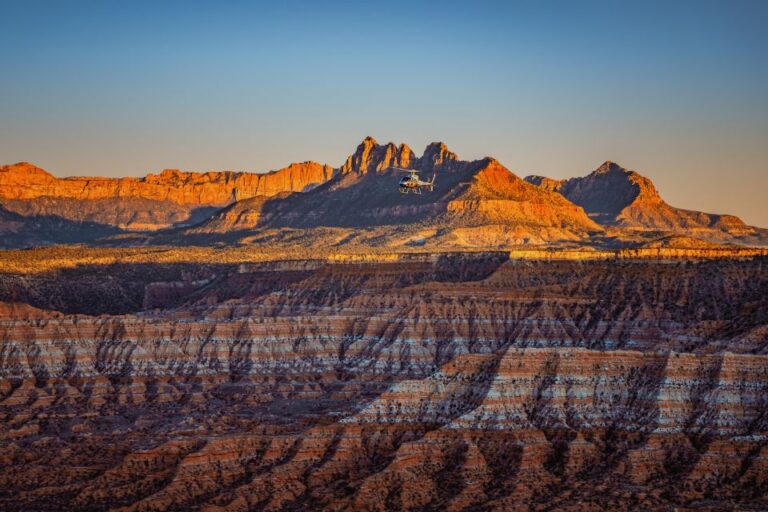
x=413, y=184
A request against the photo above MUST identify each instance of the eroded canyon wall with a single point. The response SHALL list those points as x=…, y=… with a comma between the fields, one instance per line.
x=456, y=382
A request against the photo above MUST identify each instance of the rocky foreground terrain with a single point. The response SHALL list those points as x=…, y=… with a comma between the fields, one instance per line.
x=474, y=381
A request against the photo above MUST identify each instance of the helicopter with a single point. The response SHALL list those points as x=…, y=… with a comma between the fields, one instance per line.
x=412, y=183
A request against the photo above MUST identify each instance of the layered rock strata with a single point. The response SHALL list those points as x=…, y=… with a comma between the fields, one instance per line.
x=447, y=383
x=25, y=181
x=170, y=199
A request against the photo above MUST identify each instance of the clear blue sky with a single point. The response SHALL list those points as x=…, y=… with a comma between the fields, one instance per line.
x=677, y=90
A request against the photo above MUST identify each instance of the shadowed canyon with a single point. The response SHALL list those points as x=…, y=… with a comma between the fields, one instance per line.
x=314, y=339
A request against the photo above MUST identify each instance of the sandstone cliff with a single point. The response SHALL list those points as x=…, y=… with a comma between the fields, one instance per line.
x=370, y=156
x=25, y=181
x=477, y=204
x=615, y=196
x=171, y=198
x=474, y=204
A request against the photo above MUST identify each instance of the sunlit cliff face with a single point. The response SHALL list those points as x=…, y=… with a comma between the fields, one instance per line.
x=473, y=205
x=169, y=199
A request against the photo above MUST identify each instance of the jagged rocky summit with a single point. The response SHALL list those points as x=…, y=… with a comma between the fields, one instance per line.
x=475, y=204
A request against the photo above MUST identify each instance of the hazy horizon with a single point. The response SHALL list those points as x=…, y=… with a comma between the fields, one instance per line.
x=676, y=92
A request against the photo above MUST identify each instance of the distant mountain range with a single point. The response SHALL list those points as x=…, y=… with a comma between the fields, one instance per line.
x=615, y=196
x=475, y=204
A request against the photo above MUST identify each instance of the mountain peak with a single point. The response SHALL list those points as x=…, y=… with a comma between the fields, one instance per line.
x=24, y=168
x=435, y=155
x=609, y=189
x=614, y=195
x=436, y=145
x=544, y=182
x=370, y=156
x=609, y=166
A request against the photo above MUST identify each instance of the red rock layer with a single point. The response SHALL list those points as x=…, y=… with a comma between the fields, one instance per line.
x=87, y=207
x=449, y=383
x=615, y=196
x=471, y=203
x=25, y=181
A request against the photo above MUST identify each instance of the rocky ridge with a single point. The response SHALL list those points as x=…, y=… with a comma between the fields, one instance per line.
x=171, y=198
x=25, y=181
x=473, y=203
x=476, y=204
x=370, y=156
x=615, y=196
